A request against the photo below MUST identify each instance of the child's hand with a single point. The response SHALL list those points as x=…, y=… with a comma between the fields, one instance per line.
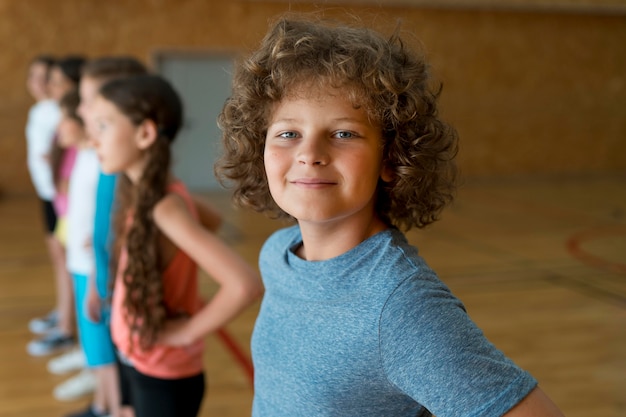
x=175, y=332
x=93, y=304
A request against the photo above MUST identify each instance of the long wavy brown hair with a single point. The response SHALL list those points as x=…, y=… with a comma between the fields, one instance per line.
x=104, y=69
x=141, y=98
x=388, y=79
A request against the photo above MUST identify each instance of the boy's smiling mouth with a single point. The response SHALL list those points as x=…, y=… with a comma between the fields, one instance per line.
x=312, y=182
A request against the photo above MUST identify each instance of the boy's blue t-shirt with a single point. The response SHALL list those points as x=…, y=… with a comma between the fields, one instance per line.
x=372, y=332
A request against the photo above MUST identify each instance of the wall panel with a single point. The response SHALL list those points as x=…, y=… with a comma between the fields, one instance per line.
x=530, y=92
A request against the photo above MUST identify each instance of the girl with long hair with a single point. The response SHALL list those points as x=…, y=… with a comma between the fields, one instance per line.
x=158, y=321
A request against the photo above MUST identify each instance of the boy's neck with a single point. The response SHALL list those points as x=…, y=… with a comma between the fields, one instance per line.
x=325, y=241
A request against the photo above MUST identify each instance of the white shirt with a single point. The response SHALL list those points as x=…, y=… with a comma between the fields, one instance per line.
x=43, y=119
x=81, y=212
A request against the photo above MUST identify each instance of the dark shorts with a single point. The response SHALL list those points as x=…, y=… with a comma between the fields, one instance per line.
x=155, y=397
x=49, y=216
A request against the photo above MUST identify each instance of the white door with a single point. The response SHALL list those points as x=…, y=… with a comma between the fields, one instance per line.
x=204, y=83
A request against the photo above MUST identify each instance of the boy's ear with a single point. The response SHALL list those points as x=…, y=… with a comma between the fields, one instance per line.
x=146, y=134
x=386, y=174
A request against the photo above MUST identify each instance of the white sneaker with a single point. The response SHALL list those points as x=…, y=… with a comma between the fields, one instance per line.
x=53, y=342
x=42, y=325
x=82, y=384
x=74, y=360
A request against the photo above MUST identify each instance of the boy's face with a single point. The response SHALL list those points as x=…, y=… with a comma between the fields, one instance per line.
x=323, y=158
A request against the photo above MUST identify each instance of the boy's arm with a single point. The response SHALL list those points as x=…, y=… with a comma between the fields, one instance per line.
x=535, y=404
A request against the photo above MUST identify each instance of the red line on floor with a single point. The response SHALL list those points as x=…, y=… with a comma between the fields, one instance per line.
x=238, y=353
x=573, y=245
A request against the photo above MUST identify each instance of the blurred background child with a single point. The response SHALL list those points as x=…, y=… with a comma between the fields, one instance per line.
x=158, y=319
x=59, y=324
x=43, y=118
x=80, y=255
x=95, y=73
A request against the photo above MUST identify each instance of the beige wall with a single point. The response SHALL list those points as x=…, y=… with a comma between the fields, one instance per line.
x=530, y=93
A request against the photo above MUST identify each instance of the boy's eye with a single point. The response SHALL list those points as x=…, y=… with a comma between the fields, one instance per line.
x=344, y=134
x=288, y=135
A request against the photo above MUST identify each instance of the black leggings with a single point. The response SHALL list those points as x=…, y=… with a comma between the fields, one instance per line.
x=155, y=397
x=49, y=216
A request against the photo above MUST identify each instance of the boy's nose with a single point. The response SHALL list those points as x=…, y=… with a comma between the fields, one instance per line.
x=313, y=152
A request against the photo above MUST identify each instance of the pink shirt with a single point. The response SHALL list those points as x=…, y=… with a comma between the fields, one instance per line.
x=65, y=171
x=180, y=296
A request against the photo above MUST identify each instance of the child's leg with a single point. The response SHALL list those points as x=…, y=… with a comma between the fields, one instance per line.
x=65, y=299
x=42, y=325
x=108, y=381
x=98, y=401
x=165, y=397
x=127, y=411
x=59, y=332
x=95, y=338
x=124, y=374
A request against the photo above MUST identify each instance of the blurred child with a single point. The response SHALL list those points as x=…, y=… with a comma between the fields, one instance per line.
x=59, y=332
x=158, y=320
x=337, y=127
x=43, y=118
x=65, y=76
x=95, y=73
x=80, y=256
x=62, y=159
x=96, y=308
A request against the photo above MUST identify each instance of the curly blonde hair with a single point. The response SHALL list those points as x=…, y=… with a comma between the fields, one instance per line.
x=390, y=81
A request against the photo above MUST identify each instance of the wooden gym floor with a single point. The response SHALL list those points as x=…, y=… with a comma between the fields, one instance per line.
x=539, y=263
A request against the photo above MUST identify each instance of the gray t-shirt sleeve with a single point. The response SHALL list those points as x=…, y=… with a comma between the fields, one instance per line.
x=426, y=332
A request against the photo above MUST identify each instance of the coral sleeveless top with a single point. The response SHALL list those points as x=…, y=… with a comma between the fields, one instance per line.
x=180, y=296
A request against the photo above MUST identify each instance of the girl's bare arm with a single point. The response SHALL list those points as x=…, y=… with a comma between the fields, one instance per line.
x=239, y=283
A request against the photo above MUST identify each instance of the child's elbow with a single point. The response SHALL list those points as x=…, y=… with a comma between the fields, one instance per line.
x=252, y=290
x=215, y=221
x=257, y=290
